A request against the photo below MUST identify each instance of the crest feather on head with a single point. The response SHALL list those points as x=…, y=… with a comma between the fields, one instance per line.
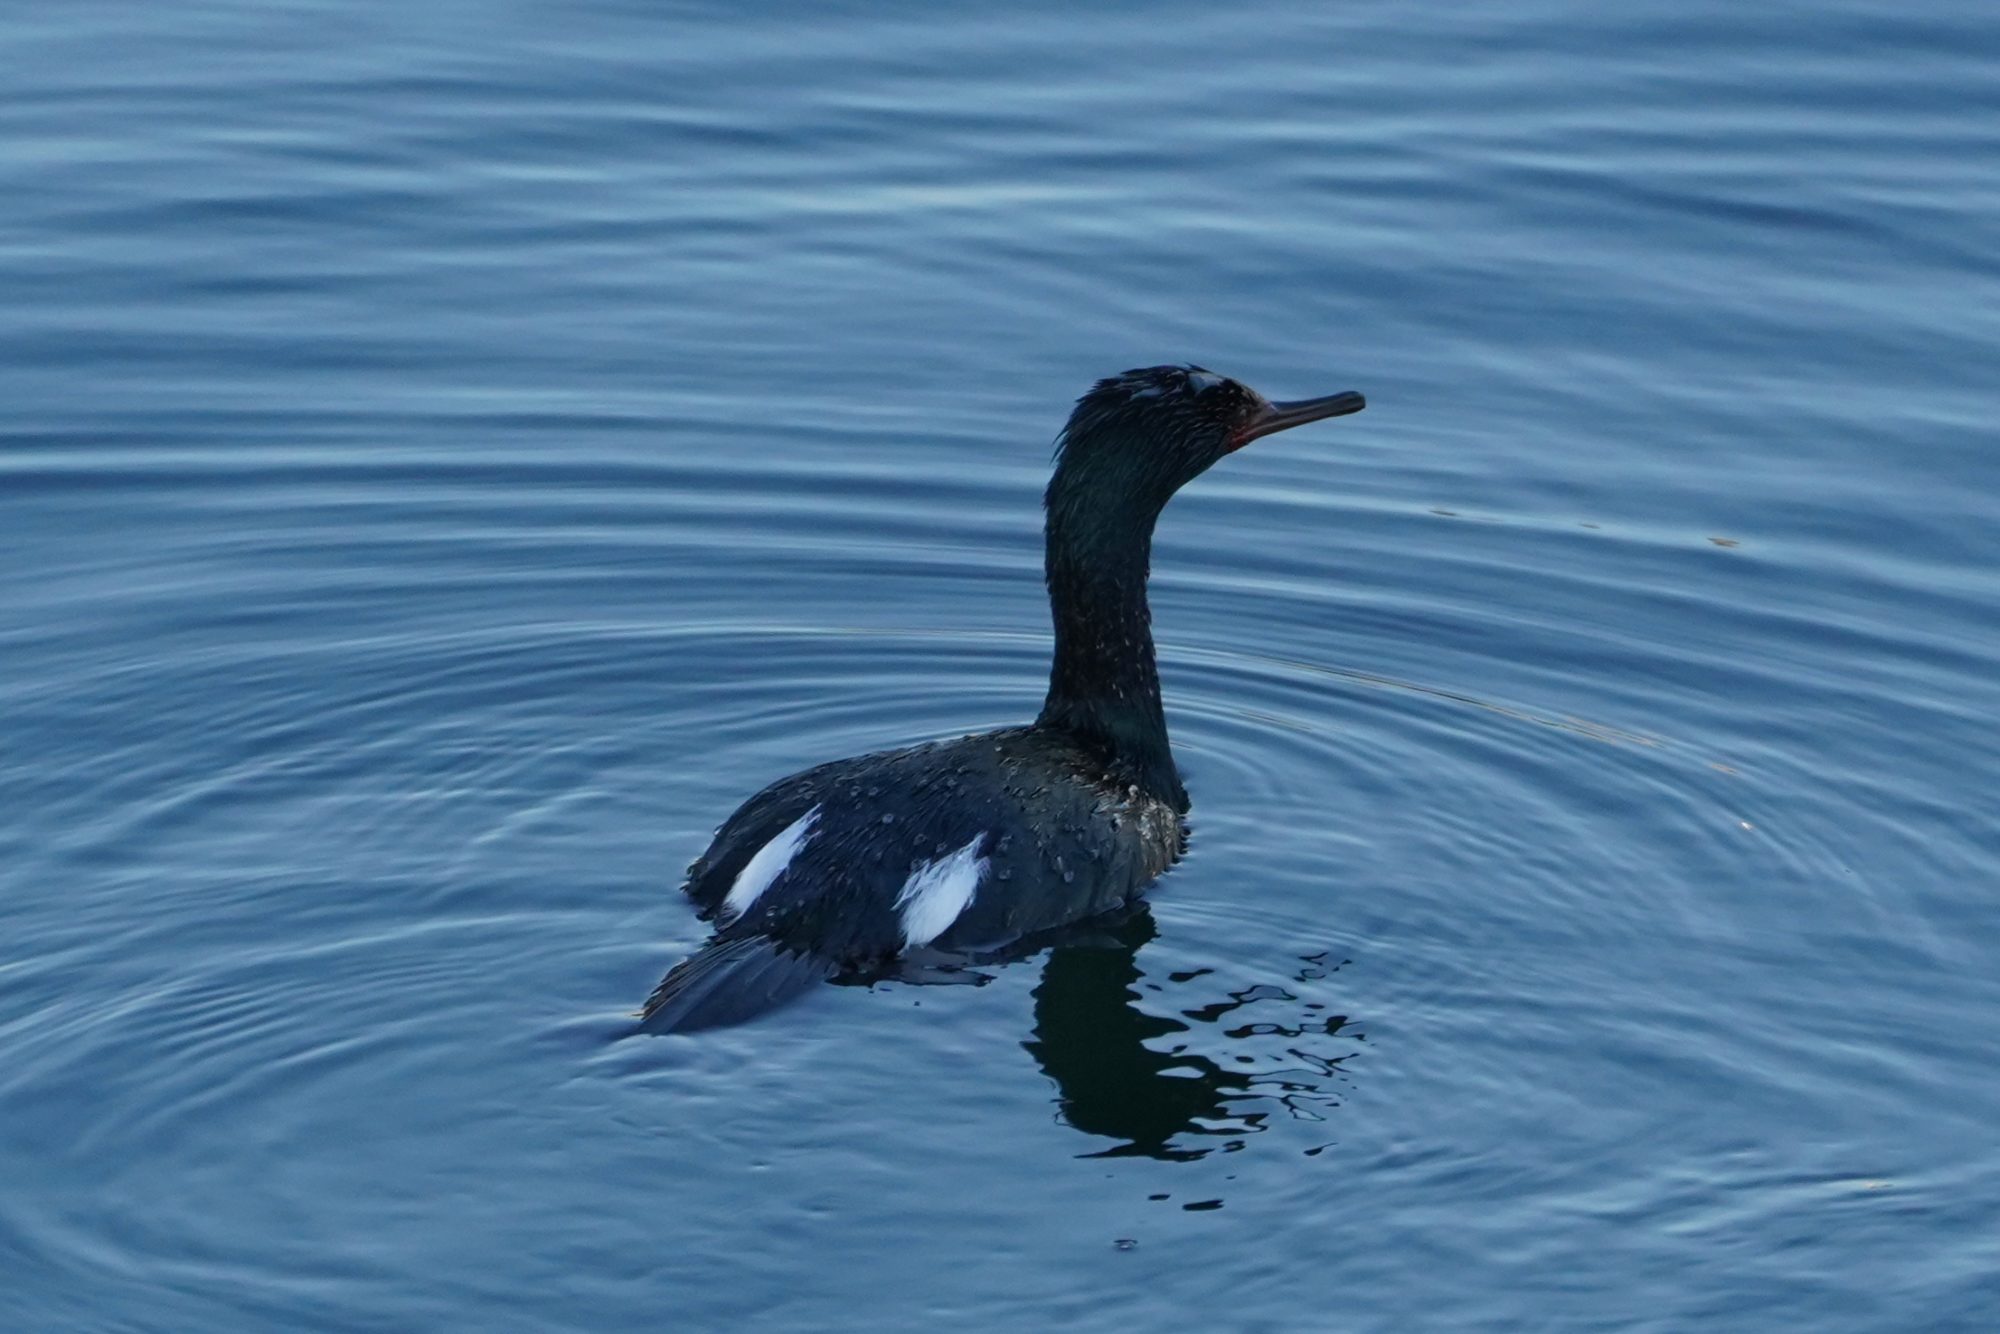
x=1161, y=389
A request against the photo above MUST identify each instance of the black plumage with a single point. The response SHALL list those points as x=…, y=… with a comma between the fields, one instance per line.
x=968, y=845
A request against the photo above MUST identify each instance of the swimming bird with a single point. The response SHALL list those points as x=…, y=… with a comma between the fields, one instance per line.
x=950, y=848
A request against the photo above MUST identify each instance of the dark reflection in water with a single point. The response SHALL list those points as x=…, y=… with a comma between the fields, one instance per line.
x=1125, y=1074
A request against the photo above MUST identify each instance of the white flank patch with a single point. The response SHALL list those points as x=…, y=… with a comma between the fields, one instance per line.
x=937, y=892
x=768, y=864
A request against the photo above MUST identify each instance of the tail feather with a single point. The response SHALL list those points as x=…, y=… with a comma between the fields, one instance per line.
x=729, y=981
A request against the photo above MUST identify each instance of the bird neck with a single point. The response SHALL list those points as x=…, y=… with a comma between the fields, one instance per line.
x=1104, y=685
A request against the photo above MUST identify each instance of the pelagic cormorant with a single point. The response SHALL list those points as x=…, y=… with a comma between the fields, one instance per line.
x=951, y=848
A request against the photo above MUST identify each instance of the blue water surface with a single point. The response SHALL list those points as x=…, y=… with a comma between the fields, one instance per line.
x=450, y=454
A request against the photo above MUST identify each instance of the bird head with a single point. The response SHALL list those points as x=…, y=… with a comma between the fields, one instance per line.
x=1159, y=427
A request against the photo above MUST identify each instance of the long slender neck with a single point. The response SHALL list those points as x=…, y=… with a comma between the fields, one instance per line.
x=1104, y=686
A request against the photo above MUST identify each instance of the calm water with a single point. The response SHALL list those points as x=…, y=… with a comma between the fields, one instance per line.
x=453, y=453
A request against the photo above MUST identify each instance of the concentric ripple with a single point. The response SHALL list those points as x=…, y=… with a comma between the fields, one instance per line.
x=443, y=471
